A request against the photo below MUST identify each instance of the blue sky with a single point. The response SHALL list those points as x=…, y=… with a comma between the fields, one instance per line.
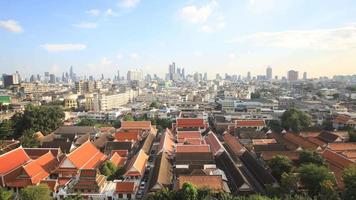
x=214, y=36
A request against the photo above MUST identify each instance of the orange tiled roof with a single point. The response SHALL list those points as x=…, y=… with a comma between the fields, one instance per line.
x=192, y=148
x=316, y=141
x=340, y=146
x=263, y=141
x=86, y=156
x=249, y=123
x=300, y=141
x=214, y=143
x=125, y=187
x=117, y=160
x=233, y=144
x=268, y=155
x=136, y=125
x=190, y=122
x=195, y=141
x=122, y=153
x=137, y=164
x=214, y=182
x=350, y=154
x=166, y=142
x=13, y=159
x=130, y=136
x=188, y=134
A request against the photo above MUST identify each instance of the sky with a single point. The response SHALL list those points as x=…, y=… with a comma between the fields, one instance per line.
x=215, y=36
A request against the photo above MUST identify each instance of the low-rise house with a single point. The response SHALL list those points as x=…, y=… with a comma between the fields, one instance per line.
x=233, y=145
x=215, y=145
x=300, y=142
x=341, y=147
x=162, y=175
x=125, y=190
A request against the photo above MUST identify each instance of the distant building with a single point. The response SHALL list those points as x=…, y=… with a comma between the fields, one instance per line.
x=305, y=77
x=52, y=78
x=292, y=75
x=9, y=80
x=269, y=73
x=135, y=75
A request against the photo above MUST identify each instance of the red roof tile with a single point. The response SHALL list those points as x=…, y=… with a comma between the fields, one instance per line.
x=249, y=123
x=122, y=136
x=190, y=122
x=86, y=156
x=233, y=144
x=13, y=159
x=214, y=143
x=125, y=187
x=192, y=148
x=146, y=125
x=300, y=141
x=117, y=160
x=339, y=147
x=214, y=182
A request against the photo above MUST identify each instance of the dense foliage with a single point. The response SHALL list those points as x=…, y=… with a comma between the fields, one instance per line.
x=35, y=193
x=86, y=122
x=352, y=135
x=349, y=177
x=38, y=118
x=5, y=194
x=295, y=120
x=307, y=156
x=313, y=177
x=279, y=165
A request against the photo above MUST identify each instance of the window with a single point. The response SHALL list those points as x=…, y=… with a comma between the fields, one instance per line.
x=121, y=196
x=128, y=196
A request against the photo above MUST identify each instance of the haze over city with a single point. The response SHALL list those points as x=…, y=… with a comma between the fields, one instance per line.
x=213, y=36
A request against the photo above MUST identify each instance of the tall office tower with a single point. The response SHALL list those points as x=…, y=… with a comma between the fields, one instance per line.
x=269, y=73
x=9, y=80
x=248, y=76
x=118, y=75
x=305, y=77
x=183, y=73
x=178, y=71
x=292, y=75
x=32, y=78
x=52, y=78
x=205, y=76
x=135, y=75
x=172, y=70
x=71, y=73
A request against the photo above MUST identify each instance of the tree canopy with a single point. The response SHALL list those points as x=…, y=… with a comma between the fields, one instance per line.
x=307, y=156
x=349, y=177
x=295, y=120
x=40, y=191
x=5, y=194
x=86, y=122
x=38, y=118
x=313, y=176
x=279, y=165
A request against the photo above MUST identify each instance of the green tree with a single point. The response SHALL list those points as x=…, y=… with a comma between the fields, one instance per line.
x=295, y=120
x=128, y=117
x=255, y=95
x=5, y=194
x=189, y=192
x=108, y=168
x=38, y=118
x=117, y=174
x=312, y=176
x=352, y=135
x=35, y=193
x=29, y=140
x=117, y=123
x=279, y=165
x=154, y=104
x=289, y=183
x=86, y=122
x=328, y=191
x=349, y=177
x=6, y=129
x=307, y=156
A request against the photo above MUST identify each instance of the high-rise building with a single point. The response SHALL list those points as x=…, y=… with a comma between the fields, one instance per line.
x=205, y=78
x=52, y=78
x=305, y=77
x=248, y=76
x=172, y=70
x=9, y=80
x=134, y=75
x=269, y=73
x=292, y=75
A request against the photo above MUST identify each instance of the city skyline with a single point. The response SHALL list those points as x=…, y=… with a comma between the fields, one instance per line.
x=200, y=36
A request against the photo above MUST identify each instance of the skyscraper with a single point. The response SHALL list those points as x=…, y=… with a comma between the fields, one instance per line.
x=305, y=77
x=269, y=73
x=248, y=76
x=172, y=70
x=292, y=75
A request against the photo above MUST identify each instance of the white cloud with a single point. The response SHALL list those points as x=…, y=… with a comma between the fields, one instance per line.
x=11, y=25
x=93, y=12
x=207, y=16
x=195, y=14
x=321, y=39
x=129, y=3
x=63, y=47
x=105, y=61
x=110, y=12
x=134, y=56
x=86, y=25
x=119, y=56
